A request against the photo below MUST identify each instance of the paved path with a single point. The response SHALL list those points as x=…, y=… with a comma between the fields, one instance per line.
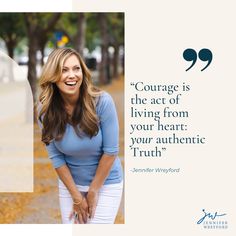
x=44, y=209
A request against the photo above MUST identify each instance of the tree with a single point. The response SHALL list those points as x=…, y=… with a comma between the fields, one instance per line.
x=11, y=32
x=38, y=27
x=116, y=33
x=104, y=30
x=104, y=70
x=80, y=36
x=73, y=25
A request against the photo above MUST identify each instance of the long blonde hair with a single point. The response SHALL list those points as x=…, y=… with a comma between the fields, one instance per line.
x=52, y=113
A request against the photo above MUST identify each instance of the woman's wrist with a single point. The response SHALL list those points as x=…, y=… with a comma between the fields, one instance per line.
x=77, y=199
x=93, y=188
x=78, y=202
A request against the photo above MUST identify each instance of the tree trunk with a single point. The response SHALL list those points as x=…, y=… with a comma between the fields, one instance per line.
x=104, y=70
x=32, y=63
x=10, y=50
x=41, y=48
x=36, y=34
x=116, y=61
x=123, y=64
x=80, y=36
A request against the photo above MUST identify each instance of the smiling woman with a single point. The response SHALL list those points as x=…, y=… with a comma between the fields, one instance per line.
x=76, y=120
x=71, y=79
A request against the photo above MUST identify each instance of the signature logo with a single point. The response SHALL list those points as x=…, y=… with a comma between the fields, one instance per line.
x=209, y=216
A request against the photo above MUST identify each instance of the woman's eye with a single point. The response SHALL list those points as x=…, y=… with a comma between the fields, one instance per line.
x=77, y=68
x=64, y=70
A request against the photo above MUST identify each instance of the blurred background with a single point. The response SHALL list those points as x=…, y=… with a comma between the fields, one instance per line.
x=28, y=38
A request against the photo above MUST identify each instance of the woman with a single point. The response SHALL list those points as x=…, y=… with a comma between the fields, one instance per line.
x=80, y=129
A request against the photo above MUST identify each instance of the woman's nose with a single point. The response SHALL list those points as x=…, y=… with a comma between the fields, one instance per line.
x=71, y=74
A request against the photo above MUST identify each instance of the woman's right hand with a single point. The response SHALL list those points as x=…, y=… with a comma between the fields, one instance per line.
x=80, y=212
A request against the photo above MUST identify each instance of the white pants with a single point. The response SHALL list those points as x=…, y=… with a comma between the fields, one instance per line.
x=107, y=206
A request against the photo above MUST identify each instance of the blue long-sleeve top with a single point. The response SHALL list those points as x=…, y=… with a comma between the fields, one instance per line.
x=82, y=154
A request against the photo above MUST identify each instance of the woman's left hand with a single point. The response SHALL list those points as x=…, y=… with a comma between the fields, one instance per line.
x=92, y=199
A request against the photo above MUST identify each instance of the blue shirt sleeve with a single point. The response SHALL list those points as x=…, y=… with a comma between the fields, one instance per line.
x=57, y=157
x=109, y=125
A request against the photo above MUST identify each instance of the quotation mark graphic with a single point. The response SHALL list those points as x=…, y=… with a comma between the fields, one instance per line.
x=204, y=54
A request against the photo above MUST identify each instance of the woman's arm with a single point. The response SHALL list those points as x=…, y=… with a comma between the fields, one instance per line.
x=80, y=204
x=63, y=172
x=59, y=163
x=102, y=173
x=110, y=140
x=65, y=176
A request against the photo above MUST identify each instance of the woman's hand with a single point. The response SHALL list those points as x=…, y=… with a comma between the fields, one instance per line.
x=80, y=212
x=92, y=199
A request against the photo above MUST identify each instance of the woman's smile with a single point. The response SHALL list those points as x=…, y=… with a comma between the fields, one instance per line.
x=71, y=83
x=71, y=78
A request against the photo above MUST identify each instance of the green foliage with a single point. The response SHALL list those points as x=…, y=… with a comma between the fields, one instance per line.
x=116, y=28
x=12, y=28
x=12, y=25
x=93, y=32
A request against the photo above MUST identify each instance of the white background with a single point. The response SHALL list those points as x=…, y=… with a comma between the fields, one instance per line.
x=156, y=33
x=35, y=6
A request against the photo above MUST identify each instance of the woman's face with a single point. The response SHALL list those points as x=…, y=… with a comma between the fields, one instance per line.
x=71, y=78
